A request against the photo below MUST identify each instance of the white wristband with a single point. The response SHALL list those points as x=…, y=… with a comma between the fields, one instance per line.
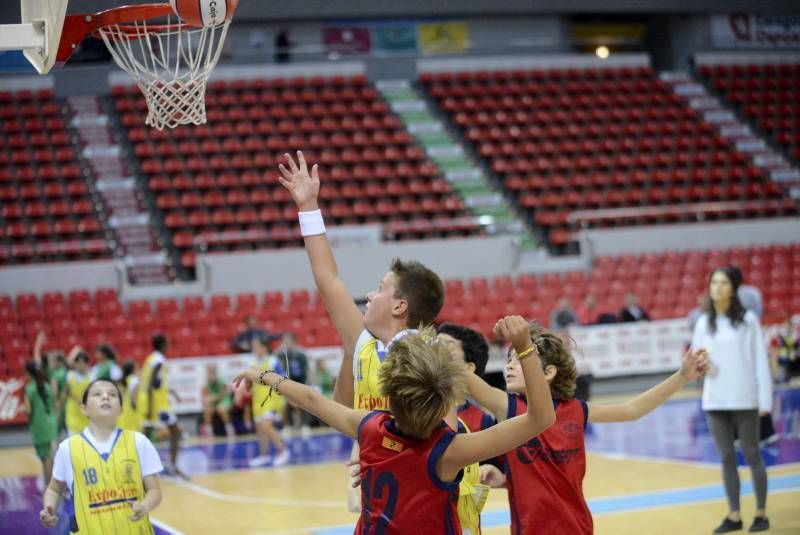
x=311, y=223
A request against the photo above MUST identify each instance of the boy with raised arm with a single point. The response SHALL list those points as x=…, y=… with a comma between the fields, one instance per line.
x=545, y=475
x=411, y=461
x=408, y=296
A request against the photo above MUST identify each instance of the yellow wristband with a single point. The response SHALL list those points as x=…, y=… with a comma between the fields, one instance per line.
x=527, y=353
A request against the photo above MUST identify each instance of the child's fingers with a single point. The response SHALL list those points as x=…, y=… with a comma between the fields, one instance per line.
x=502, y=329
x=497, y=324
x=290, y=161
x=301, y=160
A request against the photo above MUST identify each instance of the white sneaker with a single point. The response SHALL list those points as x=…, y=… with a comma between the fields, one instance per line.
x=305, y=432
x=261, y=460
x=282, y=458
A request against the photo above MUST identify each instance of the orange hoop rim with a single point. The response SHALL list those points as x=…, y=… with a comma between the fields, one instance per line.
x=78, y=27
x=124, y=20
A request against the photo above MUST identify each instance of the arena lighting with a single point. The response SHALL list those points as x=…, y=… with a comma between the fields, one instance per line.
x=602, y=52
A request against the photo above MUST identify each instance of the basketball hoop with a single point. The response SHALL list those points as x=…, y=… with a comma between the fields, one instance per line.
x=169, y=60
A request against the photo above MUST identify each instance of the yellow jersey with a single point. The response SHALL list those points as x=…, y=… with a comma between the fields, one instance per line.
x=130, y=419
x=104, y=489
x=74, y=418
x=472, y=495
x=367, y=360
x=151, y=401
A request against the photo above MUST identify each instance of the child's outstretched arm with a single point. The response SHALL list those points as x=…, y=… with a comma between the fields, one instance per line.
x=348, y=320
x=695, y=364
x=468, y=448
x=343, y=419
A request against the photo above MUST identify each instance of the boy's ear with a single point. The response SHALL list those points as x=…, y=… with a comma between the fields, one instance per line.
x=400, y=308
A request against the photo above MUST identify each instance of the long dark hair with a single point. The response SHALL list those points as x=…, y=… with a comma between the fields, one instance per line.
x=128, y=367
x=736, y=311
x=107, y=352
x=38, y=375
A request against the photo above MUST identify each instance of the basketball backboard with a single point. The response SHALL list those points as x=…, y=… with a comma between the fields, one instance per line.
x=38, y=33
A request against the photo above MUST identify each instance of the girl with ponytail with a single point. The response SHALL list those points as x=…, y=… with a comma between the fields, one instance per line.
x=39, y=405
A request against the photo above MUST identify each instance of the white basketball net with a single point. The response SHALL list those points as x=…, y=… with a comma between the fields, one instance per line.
x=170, y=65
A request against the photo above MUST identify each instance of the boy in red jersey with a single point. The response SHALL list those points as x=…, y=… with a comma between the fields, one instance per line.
x=545, y=476
x=469, y=346
x=410, y=460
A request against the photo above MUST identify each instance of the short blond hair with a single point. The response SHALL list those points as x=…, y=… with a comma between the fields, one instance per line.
x=422, y=382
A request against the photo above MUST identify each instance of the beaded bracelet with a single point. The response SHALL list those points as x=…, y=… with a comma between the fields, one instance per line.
x=274, y=387
x=262, y=374
x=281, y=379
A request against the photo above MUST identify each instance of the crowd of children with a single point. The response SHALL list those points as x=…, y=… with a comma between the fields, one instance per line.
x=105, y=464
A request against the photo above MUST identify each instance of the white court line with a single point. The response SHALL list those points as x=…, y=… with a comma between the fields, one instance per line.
x=233, y=498
x=165, y=526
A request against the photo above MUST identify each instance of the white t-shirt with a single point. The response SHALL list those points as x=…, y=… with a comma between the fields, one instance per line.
x=739, y=378
x=149, y=461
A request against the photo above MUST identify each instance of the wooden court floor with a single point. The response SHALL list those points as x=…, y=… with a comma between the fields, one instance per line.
x=629, y=492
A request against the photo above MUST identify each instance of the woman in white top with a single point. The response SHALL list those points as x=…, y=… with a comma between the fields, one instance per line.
x=736, y=390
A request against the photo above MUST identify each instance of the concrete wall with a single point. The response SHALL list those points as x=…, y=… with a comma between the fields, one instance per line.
x=715, y=235
x=66, y=276
x=360, y=268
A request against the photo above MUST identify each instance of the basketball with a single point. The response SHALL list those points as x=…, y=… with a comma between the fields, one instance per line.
x=202, y=13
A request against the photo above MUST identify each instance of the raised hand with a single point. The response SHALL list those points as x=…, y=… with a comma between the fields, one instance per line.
x=514, y=330
x=48, y=517
x=302, y=185
x=695, y=364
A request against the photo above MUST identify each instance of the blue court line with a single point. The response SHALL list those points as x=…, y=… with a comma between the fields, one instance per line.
x=616, y=504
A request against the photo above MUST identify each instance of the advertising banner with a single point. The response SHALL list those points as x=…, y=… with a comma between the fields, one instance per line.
x=443, y=37
x=750, y=30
